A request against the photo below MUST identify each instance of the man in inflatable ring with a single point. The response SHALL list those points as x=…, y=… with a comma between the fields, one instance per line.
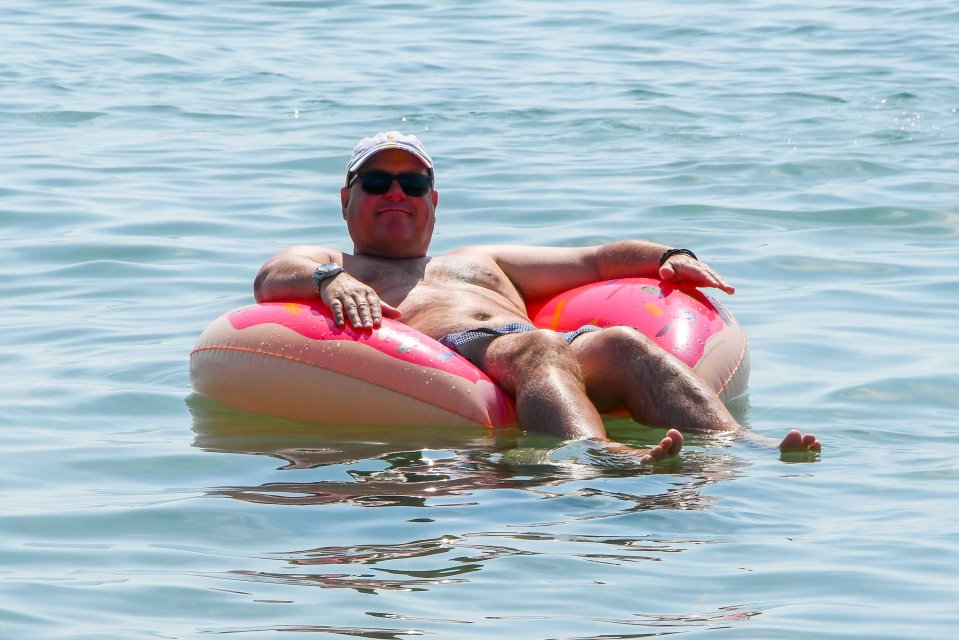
x=472, y=300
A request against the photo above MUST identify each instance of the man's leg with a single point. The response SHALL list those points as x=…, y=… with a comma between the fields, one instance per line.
x=621, y=367
x=539, y=369
x=624, y=368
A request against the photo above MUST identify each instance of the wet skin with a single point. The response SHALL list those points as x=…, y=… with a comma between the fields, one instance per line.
x=558, y=388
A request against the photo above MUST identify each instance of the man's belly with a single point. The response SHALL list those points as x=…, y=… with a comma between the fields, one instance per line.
x=439, y=311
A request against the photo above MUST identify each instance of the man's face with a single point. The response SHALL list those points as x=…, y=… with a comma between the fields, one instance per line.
x=391, y=224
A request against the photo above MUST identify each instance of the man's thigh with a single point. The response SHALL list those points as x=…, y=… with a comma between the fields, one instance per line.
x=617, y=358
x=516, y=356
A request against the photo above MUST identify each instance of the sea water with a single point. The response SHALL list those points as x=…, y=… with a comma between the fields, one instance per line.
x=156, y=152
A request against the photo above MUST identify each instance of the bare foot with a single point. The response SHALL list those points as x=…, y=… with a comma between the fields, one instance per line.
x=796, y=441
x=668, y=447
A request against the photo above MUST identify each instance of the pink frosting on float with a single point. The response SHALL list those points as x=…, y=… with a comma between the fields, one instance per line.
x=289, y=359
x=313, y=321
x=680, y=321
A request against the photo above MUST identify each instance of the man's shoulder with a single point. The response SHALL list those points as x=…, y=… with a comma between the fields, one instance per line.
x=475, y=253
x=484, y=251
x=519, y=253
x=310, y=250
x=466, y=250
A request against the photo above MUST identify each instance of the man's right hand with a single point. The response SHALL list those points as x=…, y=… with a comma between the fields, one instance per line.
x=350, y=299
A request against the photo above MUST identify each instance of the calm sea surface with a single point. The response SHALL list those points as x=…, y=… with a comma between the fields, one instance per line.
x=155, y=153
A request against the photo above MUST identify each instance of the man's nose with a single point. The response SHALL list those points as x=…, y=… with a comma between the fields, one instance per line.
x=395, y=191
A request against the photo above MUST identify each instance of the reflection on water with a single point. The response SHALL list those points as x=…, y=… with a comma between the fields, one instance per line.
x=411, y=467
x=567, y=491
x=452, y=558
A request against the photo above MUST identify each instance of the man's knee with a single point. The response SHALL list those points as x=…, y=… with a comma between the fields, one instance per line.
x=614, y=354
x=622, y=342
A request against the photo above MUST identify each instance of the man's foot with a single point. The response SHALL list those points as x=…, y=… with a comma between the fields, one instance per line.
x=668, y=447
x=796, y=441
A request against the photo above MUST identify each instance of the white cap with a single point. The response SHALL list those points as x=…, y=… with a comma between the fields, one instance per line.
x=368, y=147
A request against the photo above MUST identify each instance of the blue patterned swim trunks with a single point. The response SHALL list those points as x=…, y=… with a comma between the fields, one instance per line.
x=456, y=340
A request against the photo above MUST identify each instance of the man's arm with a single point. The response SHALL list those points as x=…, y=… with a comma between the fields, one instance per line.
x=543, y=271
x=637, y=258
x=289, y=276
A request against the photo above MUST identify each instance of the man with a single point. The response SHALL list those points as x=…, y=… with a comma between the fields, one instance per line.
x=472, y=300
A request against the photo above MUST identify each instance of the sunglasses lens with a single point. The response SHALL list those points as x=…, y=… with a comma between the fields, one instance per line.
x=377, y=183
x=414, y=185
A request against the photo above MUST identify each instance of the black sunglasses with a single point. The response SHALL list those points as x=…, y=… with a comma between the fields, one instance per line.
x=375, y=183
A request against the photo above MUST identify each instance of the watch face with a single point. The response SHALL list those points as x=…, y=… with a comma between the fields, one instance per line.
x=323, y=272
x=326, y=270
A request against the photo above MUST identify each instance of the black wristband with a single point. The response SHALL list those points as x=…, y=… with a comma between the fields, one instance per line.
x=669, y=253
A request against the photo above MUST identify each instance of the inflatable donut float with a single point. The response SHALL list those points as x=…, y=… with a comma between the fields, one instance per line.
x=288, y=359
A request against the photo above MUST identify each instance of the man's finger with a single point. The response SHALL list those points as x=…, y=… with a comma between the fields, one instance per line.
x=337, y=308
x=364, y=312
x=719, y=283
x=350, y=307
x=376, y=312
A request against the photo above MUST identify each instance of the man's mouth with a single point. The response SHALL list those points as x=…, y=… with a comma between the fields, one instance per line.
x=394, y=210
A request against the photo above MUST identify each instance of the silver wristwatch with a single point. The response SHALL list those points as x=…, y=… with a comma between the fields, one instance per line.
x=325, y=271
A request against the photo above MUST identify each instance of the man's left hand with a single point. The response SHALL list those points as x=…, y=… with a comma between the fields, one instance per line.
x=683, y=270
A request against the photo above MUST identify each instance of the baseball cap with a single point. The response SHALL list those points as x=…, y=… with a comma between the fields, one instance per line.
x=368, y=147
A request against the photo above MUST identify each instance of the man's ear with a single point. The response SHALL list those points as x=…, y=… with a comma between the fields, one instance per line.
x=436, y=198
x=344, y=198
